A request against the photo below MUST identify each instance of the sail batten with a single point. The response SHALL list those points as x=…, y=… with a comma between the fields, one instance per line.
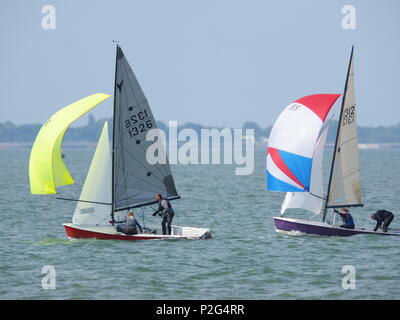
x=135, y=181
x=143, y=204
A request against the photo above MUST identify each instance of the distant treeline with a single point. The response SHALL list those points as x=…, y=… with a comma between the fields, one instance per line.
x=10, y=132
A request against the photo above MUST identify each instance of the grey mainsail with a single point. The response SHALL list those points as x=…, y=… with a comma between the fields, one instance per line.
x=344, y=188
x=135, y=181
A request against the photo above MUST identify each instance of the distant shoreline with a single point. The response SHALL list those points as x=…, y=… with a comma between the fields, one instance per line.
x=85, y=144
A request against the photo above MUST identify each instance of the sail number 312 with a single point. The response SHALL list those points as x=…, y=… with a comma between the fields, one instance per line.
x=349, y=116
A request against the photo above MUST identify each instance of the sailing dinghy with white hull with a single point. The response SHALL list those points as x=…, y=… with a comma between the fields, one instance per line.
x=294, y=163
x=119, y=178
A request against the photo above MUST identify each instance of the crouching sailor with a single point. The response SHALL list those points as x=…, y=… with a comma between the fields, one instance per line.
x=166, y=212
x=128, y=225
x=382, y=217
x=346, y=217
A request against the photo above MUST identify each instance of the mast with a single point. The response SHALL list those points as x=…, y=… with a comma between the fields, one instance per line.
x=337, y=134
x=113, y=139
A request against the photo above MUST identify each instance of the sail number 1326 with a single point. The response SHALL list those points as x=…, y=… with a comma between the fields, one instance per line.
x=137, y=123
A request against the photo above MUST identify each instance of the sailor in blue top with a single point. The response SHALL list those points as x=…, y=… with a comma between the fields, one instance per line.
x=346, y=217
x=128, y=225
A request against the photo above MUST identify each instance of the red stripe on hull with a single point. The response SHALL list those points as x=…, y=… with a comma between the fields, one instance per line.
x=86, y=234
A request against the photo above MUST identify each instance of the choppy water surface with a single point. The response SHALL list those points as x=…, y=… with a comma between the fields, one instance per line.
x=245, y=260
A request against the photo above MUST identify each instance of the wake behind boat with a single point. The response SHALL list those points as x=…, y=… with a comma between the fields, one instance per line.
x=120, y=177
x=295, y=162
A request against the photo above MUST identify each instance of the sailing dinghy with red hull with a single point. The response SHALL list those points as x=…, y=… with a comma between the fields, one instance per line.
x=120, y=177
x=295, y=161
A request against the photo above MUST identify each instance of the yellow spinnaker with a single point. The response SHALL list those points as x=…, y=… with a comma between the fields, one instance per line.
x=47, y=170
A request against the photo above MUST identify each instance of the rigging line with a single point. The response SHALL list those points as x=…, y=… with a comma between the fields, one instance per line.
x=97, y=224
x=87, y=201
x=317, y=196
x=144, y=223
x=145, y=204
x=351, y=173
x=347, y=141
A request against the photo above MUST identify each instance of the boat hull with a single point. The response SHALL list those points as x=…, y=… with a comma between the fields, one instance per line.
x=299, y=226
x=109, y=233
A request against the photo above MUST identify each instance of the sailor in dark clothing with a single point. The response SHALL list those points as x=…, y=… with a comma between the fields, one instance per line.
x=382, y=217
x=346, y=217
x=129, y=225
x=166, y=212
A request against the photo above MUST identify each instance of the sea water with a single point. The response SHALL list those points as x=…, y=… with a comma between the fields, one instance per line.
x=246, y=259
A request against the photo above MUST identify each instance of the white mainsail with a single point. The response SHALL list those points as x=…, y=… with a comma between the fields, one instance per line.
x=97, y=186
x=344, y=187
x=313, y=200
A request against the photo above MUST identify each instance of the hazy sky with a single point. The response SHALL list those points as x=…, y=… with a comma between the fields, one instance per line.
x=212, y=62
